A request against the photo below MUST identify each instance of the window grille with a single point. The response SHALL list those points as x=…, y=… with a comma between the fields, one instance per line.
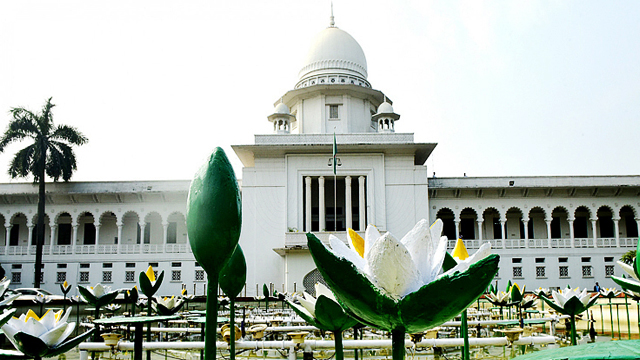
x=517, y=272
x=16, y=277
x=199, y=275
x=107, y=276
x=564, y=271
x=176, y=275
x=129, y=276
x=609, y=270
x=540, y=272
x=61, y=277
x=586, y=271
x=84, y=277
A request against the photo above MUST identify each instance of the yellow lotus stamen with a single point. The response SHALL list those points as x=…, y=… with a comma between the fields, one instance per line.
x=58, y=315
x=65, y=284
x=460, y=251
x=357, y=242
x=184, y=291
x=32, y=314
x=150, y=274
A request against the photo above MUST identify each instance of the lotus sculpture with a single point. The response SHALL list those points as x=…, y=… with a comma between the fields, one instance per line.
x=167, y=305
x=397, y=285
x=6, y=297
x=571, y=302
x=633, y=282
x=323, y=312
x=44, y=336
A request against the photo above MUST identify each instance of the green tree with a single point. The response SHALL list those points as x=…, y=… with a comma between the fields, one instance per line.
x=49, y=153
x=628, y=257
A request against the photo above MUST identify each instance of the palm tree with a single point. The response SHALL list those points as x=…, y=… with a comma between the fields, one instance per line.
x=50, y=153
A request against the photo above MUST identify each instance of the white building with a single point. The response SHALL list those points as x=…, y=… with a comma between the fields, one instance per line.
x=549, y=231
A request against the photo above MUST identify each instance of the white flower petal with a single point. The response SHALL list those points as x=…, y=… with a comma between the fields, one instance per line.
x=303, y=310
x=371, y=235
x=436, y=229
x=321, y=289
x=54, y=337
x=463, y=265
x=98, y=290
x=309, y=303
x=48, y=320
x=629, y=270
x=419, y=244
x=558, y=298
x=33, y=327
x=390, y=264
x=341, y=250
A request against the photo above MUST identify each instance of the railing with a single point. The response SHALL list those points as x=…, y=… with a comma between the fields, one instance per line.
x=62, y=250
x=18, y=250
x=607, y=242
x=130, y=249
x=583, y=242
x=177, y=248
x=561, y=243
x=496, y=243
x=538, y=243
x=153, y=248
x=296, y=239
x=628, y=242
x=108, y=249
x=85, y=249
x=514, y=244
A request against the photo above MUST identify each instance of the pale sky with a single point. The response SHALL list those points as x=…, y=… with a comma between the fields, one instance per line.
x=520, y=88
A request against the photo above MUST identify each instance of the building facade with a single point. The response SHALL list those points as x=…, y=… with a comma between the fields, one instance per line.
x=549, y=231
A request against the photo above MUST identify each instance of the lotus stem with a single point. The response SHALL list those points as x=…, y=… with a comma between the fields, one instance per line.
x=465, y=335
x=626, y=305
x=611, y=316
x=232, y=323
x=211, y=324
x=573, y=330
x=149, y=300
x=338, y=344
x=397, y=344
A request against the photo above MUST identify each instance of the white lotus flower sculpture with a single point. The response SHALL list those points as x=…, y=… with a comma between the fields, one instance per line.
x=42, y=336
x=6, y=299
x=397, y=286
x=167, y=305
x=571, y=302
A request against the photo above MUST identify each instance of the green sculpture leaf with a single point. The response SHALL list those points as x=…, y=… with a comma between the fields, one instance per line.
x=234, y=274
x=331, y=316
x=214, y=214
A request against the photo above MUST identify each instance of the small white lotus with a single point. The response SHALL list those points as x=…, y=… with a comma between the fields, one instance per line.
x=609, y=292
x=500, y=298
x=402, y=267
x=52, y=328
x=308, y=302
x=562, y=296
x=167, y=305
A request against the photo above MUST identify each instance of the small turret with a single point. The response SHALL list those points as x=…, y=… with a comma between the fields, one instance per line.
x=281, y=119
x=385, y=117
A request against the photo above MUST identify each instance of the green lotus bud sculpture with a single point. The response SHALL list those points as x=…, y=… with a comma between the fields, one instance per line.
x=232, y=279
x=323, y=312
x=214, y=219
x=397, y=286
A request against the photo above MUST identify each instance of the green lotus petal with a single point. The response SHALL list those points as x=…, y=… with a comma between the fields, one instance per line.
x=359, y=297
x=214, y=213
x=574, y=306
x=163, y=310
x=87, y=295
x=6, y=315
x=234, y=274
x=304, y=315
x=516, y=295
x=627, y=284
x=69, y=344
x=145, y=285
x=509, y=285
x=636, y=261
x=448, y=296
x=448, y=263
x=106, y=299
x=265, y=291
x=331, y=316
x=156, y=286
x=553, y=304
x=30, y=345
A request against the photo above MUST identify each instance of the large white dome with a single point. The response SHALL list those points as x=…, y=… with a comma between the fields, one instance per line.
x=335, y=57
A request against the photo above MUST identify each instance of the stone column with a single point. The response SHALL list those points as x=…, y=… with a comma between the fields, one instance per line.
x=30, y=238
x=74, y=239
x=595, y=233
x=616, y=229
x=480, y=230
x=307, y=207
x=503, y=223
x=142, y=227
x=347, y=202
x=120, y=226
x=165, y=235
x=321, y=207
x=457, y=222
x=362, y=204
x=571, y=233
x=548, y=221
x=7, y=226
x=97, y=237
x=525, y=224
x=52, y=236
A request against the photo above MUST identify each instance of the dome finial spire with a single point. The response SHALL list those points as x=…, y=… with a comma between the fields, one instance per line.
x=332, y=23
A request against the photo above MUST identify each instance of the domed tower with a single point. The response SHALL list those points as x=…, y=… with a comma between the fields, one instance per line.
x=385, y=118
x=281, y=119
x=332, y=94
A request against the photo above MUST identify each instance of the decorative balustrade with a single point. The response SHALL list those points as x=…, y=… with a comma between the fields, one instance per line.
x=107, y=249
x=514, y=244
x=62, y=250
x=17, y=250
x=583, y=242
x=85, y=249
x=130, y=249
x=628, y=242
x=177, y=248
x=561, y=243
x=153, y=248
x=538, y=243
x=299, y=239
x=607, y=242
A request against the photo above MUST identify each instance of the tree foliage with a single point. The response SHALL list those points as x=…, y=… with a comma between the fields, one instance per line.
x=628, y=257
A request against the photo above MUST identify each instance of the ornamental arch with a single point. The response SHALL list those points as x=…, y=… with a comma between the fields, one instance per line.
x=108, y=233
x=605, y=226
x=514, y=227
x=468, y=222
x=581, y=219
x=86, y=228
x=537, y=227
x=448, y=221
x=628, y=223
x=559, y=223
x=153, y=232
x=491, y=223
